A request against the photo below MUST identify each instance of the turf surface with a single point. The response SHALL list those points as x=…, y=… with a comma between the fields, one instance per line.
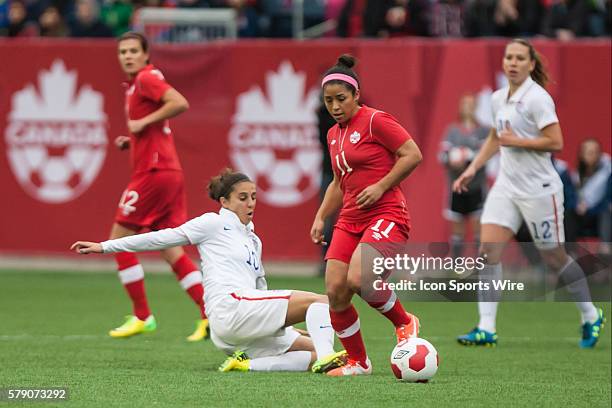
x=53, y=333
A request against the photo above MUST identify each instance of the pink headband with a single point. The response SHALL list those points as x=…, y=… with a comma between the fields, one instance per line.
x=340, y=77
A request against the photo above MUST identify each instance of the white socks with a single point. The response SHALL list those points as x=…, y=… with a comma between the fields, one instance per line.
x=290, y=361
x=488, y=300
x=576, y=283
x=318, y=324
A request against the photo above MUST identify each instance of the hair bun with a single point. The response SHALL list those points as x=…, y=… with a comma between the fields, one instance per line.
x=346, y=60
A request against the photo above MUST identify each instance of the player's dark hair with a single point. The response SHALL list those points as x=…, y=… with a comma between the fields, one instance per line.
x=133, y=35
x=539, y=73
x=344, y=65
x=223, y=184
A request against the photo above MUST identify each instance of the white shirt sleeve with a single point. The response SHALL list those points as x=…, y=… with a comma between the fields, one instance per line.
x=543, y=110
x=151, y=241
x=202, y=228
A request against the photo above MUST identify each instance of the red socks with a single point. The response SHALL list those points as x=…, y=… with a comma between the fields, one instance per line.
x=131, y=276
x=190, y=279
x=392, y=309
x=346, y=325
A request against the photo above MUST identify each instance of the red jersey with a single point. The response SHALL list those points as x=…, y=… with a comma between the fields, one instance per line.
x=153, y=148
x=363, y=152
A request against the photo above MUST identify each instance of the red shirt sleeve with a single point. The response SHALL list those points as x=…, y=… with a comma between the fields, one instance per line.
x=152, y=85
x=388, y=132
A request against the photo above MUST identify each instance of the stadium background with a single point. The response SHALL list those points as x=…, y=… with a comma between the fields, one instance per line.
x=54, y=319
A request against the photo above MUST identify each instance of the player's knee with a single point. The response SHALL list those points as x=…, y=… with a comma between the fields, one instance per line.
x=338, y=295
x=354, y=283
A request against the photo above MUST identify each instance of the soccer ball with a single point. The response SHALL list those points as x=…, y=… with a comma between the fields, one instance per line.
x=414, y=360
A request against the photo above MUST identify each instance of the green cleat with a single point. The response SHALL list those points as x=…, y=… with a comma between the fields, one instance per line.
x=236, y=362
x=330, y=362
x=133, y=326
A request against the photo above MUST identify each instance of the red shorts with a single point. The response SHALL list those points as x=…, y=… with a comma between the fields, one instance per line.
x=154, y=200
x=378, y=231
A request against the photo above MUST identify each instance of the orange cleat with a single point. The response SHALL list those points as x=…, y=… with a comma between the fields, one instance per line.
x=408, y=330
x=352, y=367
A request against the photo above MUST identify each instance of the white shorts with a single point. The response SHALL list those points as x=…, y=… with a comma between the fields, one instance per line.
x=543, y=215
x=252, y=321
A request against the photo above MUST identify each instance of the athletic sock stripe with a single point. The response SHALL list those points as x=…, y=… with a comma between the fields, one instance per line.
x=191, y=279
x=389, y=305
x=349, y=331
x=131, y=274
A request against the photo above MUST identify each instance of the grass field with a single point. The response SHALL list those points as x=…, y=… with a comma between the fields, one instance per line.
x=53, y=333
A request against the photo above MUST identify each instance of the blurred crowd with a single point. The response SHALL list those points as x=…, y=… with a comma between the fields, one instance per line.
x=562, y=19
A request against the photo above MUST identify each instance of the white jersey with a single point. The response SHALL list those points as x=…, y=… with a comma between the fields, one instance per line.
x=525, y=172
x=230, y=252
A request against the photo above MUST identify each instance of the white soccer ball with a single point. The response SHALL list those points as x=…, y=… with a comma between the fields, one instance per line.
x=414, y=360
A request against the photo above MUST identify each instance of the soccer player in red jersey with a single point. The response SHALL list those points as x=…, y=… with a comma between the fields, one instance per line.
x=155, y=196
x=371, y=154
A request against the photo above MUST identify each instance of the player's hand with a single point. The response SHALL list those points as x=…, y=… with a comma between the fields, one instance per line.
x=369, y=195
x=460, y=185
x=508, y=138
x=136, y=126
x=122, y=142
x=316, y=232
x=85, y=247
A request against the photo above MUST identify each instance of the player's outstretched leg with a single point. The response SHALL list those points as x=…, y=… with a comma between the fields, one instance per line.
x=289, y=361
x=131, y=276
x=362, y=281
x=406, y=324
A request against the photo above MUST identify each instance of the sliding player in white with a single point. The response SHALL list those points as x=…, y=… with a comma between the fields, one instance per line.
x=248, y=322
x=527, y=189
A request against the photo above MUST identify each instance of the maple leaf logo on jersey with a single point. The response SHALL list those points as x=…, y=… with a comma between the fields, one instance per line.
x=354, y=137
x=56, y=136
x=274, y=138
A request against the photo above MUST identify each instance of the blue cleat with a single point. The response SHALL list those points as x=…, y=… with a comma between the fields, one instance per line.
x=478, y=337
x=590, y=331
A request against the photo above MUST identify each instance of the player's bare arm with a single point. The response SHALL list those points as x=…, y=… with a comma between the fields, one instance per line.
x=332, y=201
x=489, y=148
x=550, y=139
x=408, y=158
x=173, y=104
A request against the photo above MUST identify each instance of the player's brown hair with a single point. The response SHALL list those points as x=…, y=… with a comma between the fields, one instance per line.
x=344, y=65
x=223, y=184
x=133, y=35
x=539, y=73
